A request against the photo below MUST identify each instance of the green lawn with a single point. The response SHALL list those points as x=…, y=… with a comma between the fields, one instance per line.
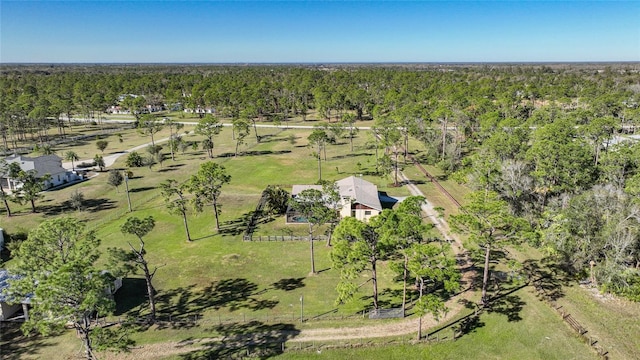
x=190, y=274
x=520, y=327
x=534, y=332
x=218, y=277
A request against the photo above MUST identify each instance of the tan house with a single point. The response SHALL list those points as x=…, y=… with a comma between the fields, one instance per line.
x=358, y=198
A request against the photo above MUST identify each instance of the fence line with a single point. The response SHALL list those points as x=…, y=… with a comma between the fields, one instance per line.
x=283, y=238
x=272, y=342
x=433, y=180
x=177, y=320
x=573, y=323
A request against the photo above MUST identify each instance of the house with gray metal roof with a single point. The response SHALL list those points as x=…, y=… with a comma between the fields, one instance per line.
x=359, y=197
x=42, y=165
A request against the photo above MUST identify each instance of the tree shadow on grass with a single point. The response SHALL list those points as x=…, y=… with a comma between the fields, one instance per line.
x=240, y=225
x=94, y=205
x=547, y=276
x=242, y=340
x=509, y=305
x=414, y=182
x=272, y=138
x=175, y=166
x=465, y=325
x=142, y=189
x=288, y=284
x=166, y=169
x=389, y=298
x=231, y=294
x=91, y=205
x=255, y=153
x=236, y=226
x=14, y=345
x=350, y=155
x=131, y=299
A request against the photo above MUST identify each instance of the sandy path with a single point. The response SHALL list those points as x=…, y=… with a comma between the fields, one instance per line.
x=374, y=330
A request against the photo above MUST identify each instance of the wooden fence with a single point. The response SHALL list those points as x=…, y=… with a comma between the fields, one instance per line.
x=257, y=213
x=571, y=321
x=283, y=238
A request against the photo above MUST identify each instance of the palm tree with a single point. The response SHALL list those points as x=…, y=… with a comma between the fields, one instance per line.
x=71, y=156
x=47, y=150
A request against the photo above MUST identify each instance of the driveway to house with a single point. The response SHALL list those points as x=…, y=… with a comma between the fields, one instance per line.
x=111, y=158
x=405, y=327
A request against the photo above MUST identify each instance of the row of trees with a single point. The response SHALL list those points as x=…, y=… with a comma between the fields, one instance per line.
x=575, y=183
x=396, y=236
x=201, y=190
x=33, y=101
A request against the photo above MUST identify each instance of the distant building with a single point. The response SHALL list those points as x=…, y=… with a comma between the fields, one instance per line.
x=117, y=109
x=200, y=110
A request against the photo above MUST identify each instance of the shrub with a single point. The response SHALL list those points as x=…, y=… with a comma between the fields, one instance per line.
x=134, y=160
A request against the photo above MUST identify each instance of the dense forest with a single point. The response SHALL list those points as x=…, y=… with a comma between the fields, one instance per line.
x=552, y=142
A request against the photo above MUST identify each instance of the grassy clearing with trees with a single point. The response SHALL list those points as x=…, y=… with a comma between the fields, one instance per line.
x=215, y=260
x=542, y=139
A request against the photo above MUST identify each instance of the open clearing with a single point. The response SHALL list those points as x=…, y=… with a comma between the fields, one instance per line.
x=219, y=279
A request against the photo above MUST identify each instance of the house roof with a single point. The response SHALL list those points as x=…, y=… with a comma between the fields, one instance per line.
x=5, y=276
x=355, y=188
x=47, y=164
x=297, y=189
x=360, y=191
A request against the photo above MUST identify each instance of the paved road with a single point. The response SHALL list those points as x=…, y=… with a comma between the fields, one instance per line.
x=193, y=123
x=111, y=158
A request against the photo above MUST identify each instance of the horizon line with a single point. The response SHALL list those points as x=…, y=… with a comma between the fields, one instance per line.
x=328, y=62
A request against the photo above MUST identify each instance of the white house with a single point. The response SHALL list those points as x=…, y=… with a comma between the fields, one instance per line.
x=200, y=110
x=117, y=109
x=48, y=164
x=359, y=198
x=154, y=108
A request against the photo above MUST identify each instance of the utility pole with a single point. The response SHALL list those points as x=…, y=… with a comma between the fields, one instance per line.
x=126, y=184
x=301, y=308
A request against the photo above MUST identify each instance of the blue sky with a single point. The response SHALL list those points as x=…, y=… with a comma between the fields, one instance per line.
x=318, y=31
